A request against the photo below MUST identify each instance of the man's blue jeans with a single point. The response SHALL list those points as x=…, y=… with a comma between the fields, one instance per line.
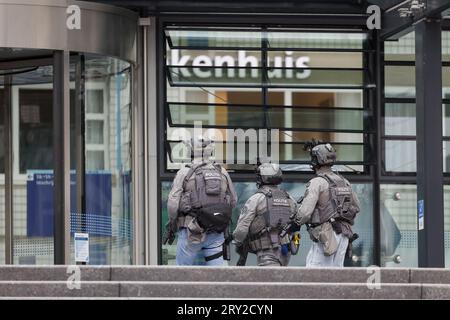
x=189, y=254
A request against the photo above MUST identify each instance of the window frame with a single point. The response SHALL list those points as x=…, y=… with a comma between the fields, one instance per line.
x=367, y=137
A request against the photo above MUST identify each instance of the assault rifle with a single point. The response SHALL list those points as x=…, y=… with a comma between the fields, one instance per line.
x=242, y=251
x=169, y=235
x=291, y=226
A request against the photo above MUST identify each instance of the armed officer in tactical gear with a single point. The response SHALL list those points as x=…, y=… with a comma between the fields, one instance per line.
x=328, y=209
x=200, y=206
x=263, y=217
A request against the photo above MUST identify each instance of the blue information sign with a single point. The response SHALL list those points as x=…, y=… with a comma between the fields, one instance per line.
x=40, y=203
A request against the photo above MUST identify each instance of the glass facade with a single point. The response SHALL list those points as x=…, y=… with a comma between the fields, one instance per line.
x=107, y=155
x=363, y=248
x=259, y=90
x=398, y=217
x=301, y=84
x=201, y=90
x=108, y=161
x=2, y=175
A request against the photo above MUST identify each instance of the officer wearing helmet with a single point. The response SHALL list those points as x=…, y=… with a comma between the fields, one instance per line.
x=200, y=205
x=328, y=209
x=263, y=217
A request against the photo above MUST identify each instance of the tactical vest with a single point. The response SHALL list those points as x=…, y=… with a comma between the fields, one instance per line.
x=340, y=206
x=265, y=228
x=208, y=202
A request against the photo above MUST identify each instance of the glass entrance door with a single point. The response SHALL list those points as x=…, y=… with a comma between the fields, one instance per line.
x=100, y=159
x=32, y=124
x=26, y=116
x=2, y=173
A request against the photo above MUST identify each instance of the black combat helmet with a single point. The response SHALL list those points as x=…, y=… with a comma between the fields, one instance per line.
x=269, y=174
x=323, y=155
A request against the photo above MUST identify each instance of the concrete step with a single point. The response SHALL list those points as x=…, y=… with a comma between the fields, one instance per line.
x=222, y=282
x=245, y=290
x=222, y=274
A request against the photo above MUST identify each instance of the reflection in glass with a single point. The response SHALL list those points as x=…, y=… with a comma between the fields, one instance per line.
x=213, y=38
x=399, y=225
x=446, y=152
x=314, y=59
x=316, y=92
x=396, y=163
x=446, y=82
x=400, y=119
x=446, y=46
x=36, y=129
x=2, y=128
x=447, y=225
x=331, y=40
x=32, y=102
x=400, y=81
x=236, y=116
x=363, y=247
x=313, y=118
x=403, y=49
x=256, y=77
x=2, y=174
x=254, y=116
x=108, y=160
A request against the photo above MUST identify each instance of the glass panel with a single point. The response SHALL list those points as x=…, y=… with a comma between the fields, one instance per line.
x=446, y=46
x=215, y=76
x=399, y=225
x=395, y=163
x=331, y=40
x=447, y=225
x=213, y=38
x=234, y=116
x=291, y=152
x=345, y=152
x=218, y=58
x=446, y=160
x=313, y=118
x=403, y=49
x=446, y=121
x=218, y=85
x=36, y=127
x=320, y=98
x=94, y=101
x=298, y=78
x=446, y=82
x=2, y=128
x=2, y=179
x=400, y=81
x=363, y=247
x=253, y=77
x=242, y=156
x=400, y=119
x=94, y=131
x=32, y=103
x=253, y=116
x=96, y=160
x=253, y=39
x=300, y=59
x=108, y=160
